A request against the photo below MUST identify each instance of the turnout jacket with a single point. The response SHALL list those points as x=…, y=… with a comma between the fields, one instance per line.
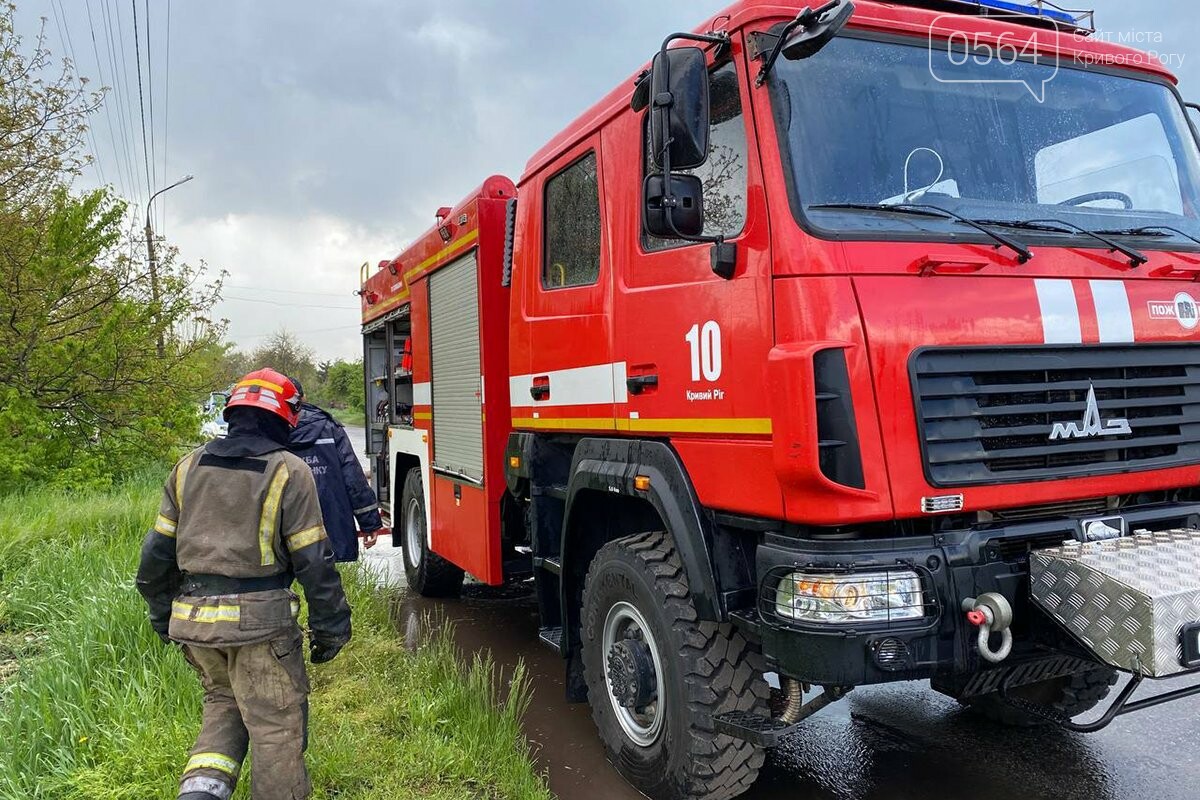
x=239, y=520
x=345, y=494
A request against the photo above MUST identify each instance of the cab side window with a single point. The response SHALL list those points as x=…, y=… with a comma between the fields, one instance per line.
x=724, y=174
x=572, y=221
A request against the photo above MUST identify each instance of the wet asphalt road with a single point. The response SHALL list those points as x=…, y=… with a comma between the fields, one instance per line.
x=899, y=742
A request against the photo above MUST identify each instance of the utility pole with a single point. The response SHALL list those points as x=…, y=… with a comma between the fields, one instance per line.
x=154, y=295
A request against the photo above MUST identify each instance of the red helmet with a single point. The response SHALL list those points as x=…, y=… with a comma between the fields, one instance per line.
x=269, y=390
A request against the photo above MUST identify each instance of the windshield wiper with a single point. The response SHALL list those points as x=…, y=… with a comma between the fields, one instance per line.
x=1024, y=254
x=1151, y=230
x=1136, y=257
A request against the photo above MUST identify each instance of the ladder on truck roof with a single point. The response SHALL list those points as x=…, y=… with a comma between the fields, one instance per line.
x=1029, y=12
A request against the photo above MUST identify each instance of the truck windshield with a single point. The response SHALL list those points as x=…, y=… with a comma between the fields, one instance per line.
x=870, y=123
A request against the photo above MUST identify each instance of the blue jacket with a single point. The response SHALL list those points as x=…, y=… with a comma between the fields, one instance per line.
x=345, y=495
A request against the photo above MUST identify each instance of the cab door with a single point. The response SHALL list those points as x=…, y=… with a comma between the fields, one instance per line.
x=694, y=344
x=570, y=382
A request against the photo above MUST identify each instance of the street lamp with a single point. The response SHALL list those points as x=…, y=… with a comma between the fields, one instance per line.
x=150, y=254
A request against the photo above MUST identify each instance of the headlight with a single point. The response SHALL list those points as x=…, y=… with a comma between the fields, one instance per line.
x=863, y=597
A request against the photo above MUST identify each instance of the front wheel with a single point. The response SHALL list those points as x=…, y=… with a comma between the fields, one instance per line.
x=428, y=574
x=657, y=675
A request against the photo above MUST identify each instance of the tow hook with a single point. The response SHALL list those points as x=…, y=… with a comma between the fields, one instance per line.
x=991, y=613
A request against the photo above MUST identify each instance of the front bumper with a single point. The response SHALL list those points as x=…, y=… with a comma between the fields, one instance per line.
x=953, y=565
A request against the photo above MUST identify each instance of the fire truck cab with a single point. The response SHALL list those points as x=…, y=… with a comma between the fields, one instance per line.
x=847, y=345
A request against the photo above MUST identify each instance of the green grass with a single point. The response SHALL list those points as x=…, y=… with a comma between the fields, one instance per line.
x=348, y=416
x=92, y=705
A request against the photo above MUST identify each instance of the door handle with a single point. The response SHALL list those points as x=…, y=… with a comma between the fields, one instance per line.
x=1177, y=273
x=948, y=265
x=540, y=390
x=640, y=383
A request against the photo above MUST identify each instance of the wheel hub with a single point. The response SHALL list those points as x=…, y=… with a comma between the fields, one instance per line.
x=413, y=541
x=631, y=673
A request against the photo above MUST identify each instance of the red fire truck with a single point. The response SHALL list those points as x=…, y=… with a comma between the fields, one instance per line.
x=842, y=345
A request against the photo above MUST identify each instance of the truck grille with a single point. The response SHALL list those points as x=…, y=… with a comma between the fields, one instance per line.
x=986, y=415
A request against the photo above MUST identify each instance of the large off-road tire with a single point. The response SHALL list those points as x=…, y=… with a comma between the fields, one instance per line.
x=428, y=574
x=638, y=611
x=1070, y=695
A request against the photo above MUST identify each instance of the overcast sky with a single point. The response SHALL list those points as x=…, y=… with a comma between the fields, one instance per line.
x=326, y=134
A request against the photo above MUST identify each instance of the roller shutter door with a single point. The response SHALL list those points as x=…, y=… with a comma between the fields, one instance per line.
x=457, y=398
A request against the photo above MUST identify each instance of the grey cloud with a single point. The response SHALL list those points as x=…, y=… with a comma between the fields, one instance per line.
x=363, y=116
x=382, y=111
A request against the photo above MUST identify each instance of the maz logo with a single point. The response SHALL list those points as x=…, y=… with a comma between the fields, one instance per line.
x=1092, y=424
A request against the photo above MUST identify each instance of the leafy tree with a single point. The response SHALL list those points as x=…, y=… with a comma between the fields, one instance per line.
x=43, y=121
x=231, y=364
x=323, y=370
x=344, y=389
x=284, y=352
x=84, y=395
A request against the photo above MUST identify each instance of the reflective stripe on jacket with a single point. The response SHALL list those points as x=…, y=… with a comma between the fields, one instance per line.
x=241, y=517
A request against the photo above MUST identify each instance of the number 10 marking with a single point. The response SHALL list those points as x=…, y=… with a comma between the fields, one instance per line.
x=706, y=350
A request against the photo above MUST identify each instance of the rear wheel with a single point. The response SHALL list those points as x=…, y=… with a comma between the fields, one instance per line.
x=1069, y=695
x=657, y=675
x=428, y=574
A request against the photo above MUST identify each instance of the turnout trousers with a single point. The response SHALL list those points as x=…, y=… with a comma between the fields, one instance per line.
x=255, y=697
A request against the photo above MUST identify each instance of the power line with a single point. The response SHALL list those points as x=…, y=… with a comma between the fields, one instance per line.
x=166, y=116
x=60, y=19
x=289, y=305
x=149, y=84
x=123, y=61
x=300, y=333
x=112, y=135
x=122, y=115
x=137, y=50
x=286, y=291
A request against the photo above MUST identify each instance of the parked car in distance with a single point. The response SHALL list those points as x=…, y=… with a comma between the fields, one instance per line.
x=214, y=425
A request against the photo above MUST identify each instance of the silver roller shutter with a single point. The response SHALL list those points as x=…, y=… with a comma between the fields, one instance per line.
x=457, y=406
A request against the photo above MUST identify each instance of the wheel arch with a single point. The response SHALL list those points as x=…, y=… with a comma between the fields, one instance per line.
x=603, y=503
x=409, y=449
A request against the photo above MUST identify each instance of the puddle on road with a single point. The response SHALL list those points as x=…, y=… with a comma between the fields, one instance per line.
x=504, y=621
x=902, y=742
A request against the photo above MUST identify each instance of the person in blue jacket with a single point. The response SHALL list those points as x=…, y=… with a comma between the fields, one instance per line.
x=345, y=495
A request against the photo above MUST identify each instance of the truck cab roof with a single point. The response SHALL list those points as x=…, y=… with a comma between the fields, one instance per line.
x=911, y=18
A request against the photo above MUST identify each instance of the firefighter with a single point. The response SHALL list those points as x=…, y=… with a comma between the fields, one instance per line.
x=345, y=495
x=239, y=521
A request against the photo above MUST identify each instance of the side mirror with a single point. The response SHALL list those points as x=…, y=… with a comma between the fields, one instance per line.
x=679, y=116
x=818, y=31
x=687, y=212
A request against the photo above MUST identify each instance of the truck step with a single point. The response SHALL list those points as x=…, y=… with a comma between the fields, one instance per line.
x=552, y=638
x=552, y=565
x=753, y=728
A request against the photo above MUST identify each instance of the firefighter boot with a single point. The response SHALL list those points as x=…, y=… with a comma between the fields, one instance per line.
x=206, y=795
